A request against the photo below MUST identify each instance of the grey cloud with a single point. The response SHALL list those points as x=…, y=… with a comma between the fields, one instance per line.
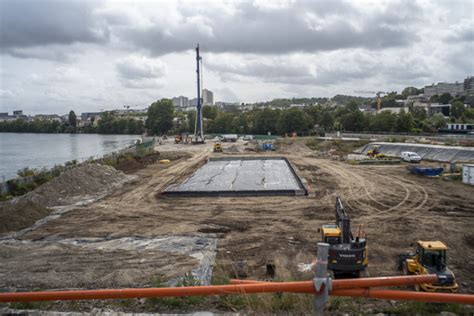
x=321, y=69
x=46, y=53
x=30, y=23
x=303, y=26
x=139, y=72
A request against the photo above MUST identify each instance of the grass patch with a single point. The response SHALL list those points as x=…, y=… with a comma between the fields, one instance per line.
x=175, y=302
x=27, y=305
x=420, y=308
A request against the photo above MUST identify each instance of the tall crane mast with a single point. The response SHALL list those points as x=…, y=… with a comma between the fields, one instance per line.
x=198, y=137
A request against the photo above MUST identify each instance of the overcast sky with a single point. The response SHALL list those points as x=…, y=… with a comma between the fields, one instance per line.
x=58, y=55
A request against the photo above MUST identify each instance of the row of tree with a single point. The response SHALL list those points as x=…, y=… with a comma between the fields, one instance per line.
x=109, y=123
x=289, y=120
x=161, y=115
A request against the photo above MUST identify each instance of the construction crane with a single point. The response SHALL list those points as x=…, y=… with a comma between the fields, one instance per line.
x=198, y=137
x=378, y=98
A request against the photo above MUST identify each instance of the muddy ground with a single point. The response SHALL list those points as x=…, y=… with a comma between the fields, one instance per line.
x=395, y=208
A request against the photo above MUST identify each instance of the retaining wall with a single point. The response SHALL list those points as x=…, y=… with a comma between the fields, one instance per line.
x=429, y=152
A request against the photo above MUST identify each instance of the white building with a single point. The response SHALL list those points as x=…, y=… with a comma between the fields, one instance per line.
x=454, y=89
x=207, y=97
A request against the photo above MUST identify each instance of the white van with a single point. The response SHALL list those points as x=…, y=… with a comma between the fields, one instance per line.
x=410, y=156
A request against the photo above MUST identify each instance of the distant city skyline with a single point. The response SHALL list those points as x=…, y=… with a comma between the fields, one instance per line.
x=105, y=53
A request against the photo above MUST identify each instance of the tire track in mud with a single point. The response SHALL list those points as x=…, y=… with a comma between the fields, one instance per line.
x=345, y=179
x=413, y=198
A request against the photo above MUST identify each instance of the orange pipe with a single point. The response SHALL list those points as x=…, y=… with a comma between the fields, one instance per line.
x=389, y=294
x=299, y=287
x=364, y=282
x=407, y=295
x=263, y=287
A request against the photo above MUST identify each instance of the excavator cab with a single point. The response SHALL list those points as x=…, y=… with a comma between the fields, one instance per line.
x=430, y=258
x=331, y=234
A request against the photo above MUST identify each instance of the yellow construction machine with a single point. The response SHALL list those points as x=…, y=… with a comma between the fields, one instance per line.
x=429, y=258
x=217, y=148
x=375, y=152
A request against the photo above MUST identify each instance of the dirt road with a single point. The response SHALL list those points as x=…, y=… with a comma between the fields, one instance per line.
x=256, y=233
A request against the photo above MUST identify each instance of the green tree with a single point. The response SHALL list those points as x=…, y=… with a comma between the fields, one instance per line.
x=209, y=112
x=445, y=98
x=434, y=98
x=385, y=121
x=293, y=120
x=327, y=120
x=225, y=123
x=410, y=91
x=266, y=120
x=160, y=116
x=72, y=119
x=353, y=121
x=191, y=121
x=469, y=113
x=404, y=121
x=457, y=109
x=437, y=121
x=418, y=113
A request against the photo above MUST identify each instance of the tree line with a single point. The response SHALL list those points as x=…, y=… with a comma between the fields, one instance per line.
x=163, y=119
x=322, y=119
x=109, y=123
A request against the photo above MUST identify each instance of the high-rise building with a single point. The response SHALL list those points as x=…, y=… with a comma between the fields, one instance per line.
x=193, y=102
x=180, y=102
x=469, y=86
x=207, y=97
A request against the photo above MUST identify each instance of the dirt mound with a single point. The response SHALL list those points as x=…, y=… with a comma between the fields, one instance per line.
x=291, y=146
x=233, y=149
x=20, y=214
x=73, y=185
x=138, y=163
x=84, y=182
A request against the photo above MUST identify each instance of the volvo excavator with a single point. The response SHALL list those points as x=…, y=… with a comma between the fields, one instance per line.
x=347, y=254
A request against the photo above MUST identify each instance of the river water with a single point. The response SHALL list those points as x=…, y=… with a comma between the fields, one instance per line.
x=20, y=150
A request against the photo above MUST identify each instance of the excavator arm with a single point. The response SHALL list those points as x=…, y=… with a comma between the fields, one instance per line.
x=343, y=222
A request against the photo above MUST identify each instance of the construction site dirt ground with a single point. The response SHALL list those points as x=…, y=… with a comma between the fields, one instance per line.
x=394, y=207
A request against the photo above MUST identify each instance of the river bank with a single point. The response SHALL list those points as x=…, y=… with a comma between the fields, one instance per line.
x=36, y=151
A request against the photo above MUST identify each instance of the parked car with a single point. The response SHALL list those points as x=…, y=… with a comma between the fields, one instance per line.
x=410, y=156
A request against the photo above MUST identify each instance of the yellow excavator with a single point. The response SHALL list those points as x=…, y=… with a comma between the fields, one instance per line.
x=429, y=258
x=217, y=148
x=375, y=152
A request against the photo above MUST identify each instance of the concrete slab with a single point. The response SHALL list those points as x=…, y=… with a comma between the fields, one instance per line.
x=241, y=176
